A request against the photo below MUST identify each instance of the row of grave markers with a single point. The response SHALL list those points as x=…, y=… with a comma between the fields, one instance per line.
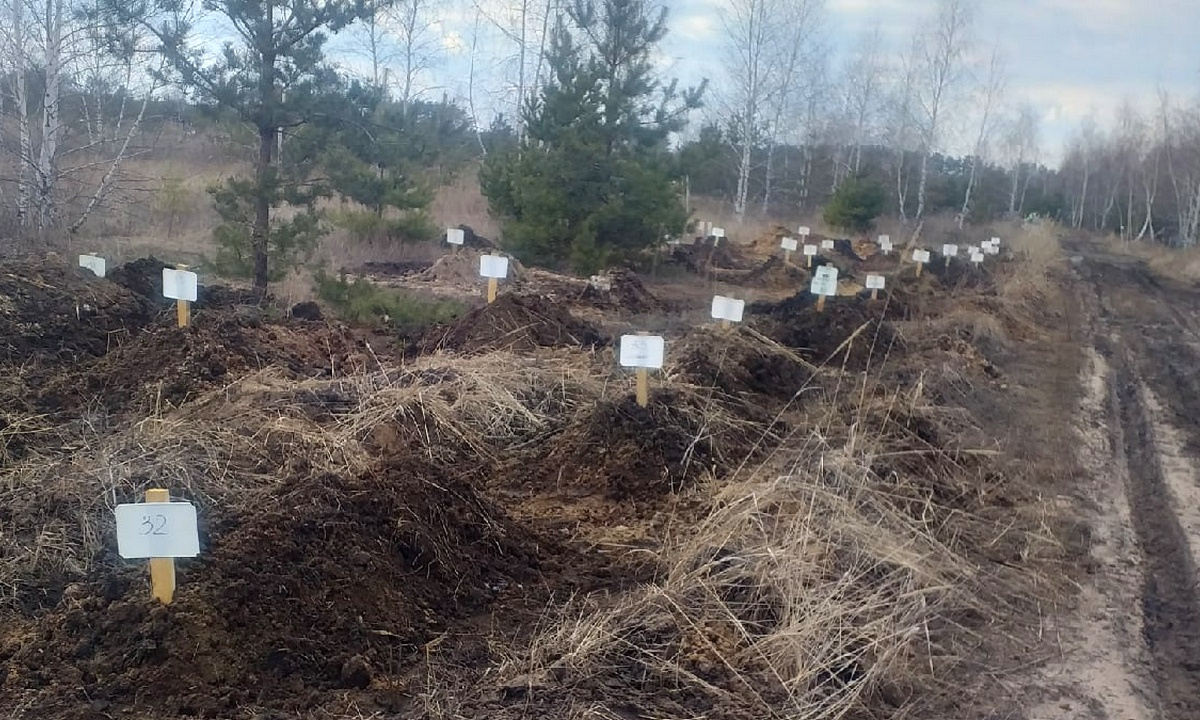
x=160, y=530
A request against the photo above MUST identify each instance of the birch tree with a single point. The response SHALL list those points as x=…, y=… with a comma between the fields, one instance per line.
x=989, y=94
x=941, y=65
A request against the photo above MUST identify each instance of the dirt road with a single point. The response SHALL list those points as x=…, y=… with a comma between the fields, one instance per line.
x=1131, y=650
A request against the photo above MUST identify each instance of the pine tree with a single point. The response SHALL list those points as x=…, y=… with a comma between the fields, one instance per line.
x=594, y=178
x=270, y=77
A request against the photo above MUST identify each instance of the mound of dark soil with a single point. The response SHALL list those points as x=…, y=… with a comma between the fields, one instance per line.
x=774, y=274
x=472, y=239
x=626, y=293
x=795, y=323
x=736, y=364
x=961, y=273
x=53, y=313
x=512, y=322
x=320, y=585
x=165, y=365
x=702, y=256
x=395, y=268
x=144, y=277
x=624, y=451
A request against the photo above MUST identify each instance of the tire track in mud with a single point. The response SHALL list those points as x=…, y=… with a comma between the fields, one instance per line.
x=1152, y=349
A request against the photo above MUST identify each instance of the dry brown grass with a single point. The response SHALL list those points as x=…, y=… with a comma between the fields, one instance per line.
x=1179, y=264
x=462, y=203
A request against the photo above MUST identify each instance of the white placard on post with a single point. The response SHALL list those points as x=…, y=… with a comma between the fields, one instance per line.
x=789, y=244
x=950, y=250
x=727, y=308
x=493, y=266
x=157, y=530
x=803, y=231
x=827, y=244
x=921, y=256
x=718, y=232
x=977, y=257
x=995, y=241
x=455, y=236
x=642, y=351
x=95, y=263
x=992, y=249
x=179, y=284
x=885, y=244
x=824, y=281
x=810, y=249
x=972, y=249
x=875, y=282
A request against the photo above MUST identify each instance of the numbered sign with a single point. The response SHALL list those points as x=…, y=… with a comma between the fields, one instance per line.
x=455, y=236
x=810, y=250
x=95, y=263
x=885, y=244
x=727, y=308
x=718, y=232
x=642, y=351
x=803, y=231
x=789, y=244
x=976, y=257
x=950, y=250
x=992, y=249
x=179, y=284
x=826, y=244
x=921, y=256
x=157, y=530
x=493, y=266
x=875, y=282
x=824, y=281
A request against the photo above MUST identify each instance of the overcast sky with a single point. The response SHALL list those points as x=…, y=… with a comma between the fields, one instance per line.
x=1070, y=58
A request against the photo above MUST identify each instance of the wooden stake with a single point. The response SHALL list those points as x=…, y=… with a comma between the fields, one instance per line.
x=725, y=324
x=820, y=303
x=919, y=268
x=183, y=310
x=809, y=261
x=493, y=288
x=787, y=257
x=162, y=570
x=947, y=262
x=874, y=293
x=643, y=387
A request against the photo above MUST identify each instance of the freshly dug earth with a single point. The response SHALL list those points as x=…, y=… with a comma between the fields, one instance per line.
x=702, y=256
x=738, y=361
x=773, y=273
x=165, y=365
x=461, y=267
x=52, y=313
x=825, y=337
x=320, y=585
x=513, y=322
x=626, y=293
x=623, y=451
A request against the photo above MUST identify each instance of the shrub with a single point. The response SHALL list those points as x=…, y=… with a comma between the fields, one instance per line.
x=855, y=204
x=362, y=301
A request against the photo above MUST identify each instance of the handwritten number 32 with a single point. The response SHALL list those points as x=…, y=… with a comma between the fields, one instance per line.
x=154, y=525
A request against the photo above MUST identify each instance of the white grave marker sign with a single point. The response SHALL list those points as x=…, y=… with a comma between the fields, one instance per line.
x=950, y=250
x=810, y=249
x=179, y=284
x=992, y=249
x=727, y=308
x=455, y=236
x=157, y=530
x=804, y=231
x=826, y=244
x=885, y=244
x=976, y=257
x=493, y=266
x=95, y=263
x=921, y=256
x=789, y=244
x=875, y=282
x=718, y=232
x=824, y=281
x=642, y=351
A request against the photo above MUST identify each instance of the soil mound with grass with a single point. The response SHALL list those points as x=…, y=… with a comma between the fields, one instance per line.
x=513, y=322
x=738, y=362
x=702, y=256
x=461, y=267
x=626, y=452
x=314, y=586
x=774, y=273
x=52, y=313
x=625, y=292
x=849, y=330
x=961, y=273
x=164, y=365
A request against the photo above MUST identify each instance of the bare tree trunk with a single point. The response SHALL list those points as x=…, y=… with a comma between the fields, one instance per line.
x=21, y=100
x=922, y=184
x=47, y=170
x=901, y=186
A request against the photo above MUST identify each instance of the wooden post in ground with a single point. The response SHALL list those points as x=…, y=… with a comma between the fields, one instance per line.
x=820, y=303
x=183, y=310
x=643, y=387
x=493, y=288
x=162, y=570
